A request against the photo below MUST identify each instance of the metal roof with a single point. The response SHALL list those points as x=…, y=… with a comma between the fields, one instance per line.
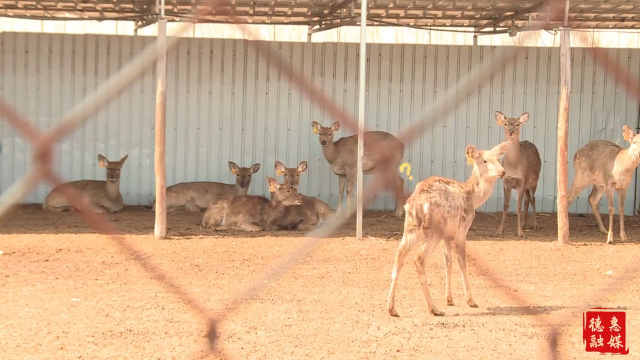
x=483, y=14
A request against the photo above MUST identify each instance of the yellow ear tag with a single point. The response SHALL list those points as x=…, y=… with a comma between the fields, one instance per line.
x=272, y=188
x=279, y=173
x=470, y=160
x=626, y=137
x=315, y=130
x=101, y=164
x=233, y=172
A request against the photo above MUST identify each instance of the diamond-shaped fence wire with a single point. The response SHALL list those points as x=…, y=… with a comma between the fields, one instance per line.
x=43, y=144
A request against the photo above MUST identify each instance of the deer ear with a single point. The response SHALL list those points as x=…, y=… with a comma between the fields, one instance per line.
x=315, y=127
x=627, y=133
x=124, y=158
x=233, y=167
x=471, y=154
x=523, y=118
x=254, y=168
x=302, y=167
x=280, y=168
x=500, y=118
x=335, y=126
x=273, y=184
x=102, y=161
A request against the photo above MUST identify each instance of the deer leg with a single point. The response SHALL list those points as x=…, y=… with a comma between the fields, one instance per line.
x=399, y=196
x=403, y=250
x=579, y=183
x=351, y=182
x=507, y=199
x=420, y=262
x=526, y=208
x=342, y=181
x=520, y=192
x=532, y=199
x=446, y=254
x=462, y=262
x=594, y=199
x=610, y=195
x=622, y=193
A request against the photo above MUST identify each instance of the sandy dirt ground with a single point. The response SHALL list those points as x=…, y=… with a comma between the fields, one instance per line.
x=70, y=293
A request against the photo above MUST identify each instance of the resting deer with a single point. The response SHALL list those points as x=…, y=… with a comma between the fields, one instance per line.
x=196, y=196
x=98, y=195
x=342, y=156
x=608, y=168
x=522, y=165
x=251, y=212
x=442, y=210
x=310, y=213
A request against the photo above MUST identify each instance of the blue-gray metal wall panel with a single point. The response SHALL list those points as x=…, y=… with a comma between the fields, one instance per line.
x=226, y=103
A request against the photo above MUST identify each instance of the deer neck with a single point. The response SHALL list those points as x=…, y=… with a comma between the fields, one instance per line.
x=240, y=191
x=512, y=157
x=273, y=211
x=479, y=188
x=626, y=161
x=330, y=153
x=113, y=189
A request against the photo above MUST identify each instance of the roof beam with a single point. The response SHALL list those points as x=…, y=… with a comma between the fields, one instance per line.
x=333, y=9
x=513, y=16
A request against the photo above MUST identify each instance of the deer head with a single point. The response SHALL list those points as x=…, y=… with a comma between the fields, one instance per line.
x=488, y=161
x=325, y=133
x=113, y=167
x=511, y=125
x=633, y=139
x=282, y=193
x=243, y=175
x=291, y=175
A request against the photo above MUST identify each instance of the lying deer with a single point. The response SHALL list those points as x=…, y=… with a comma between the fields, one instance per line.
x=342, y=156
x=442, y=210
x=196, y=196
x=98, y=195
x=609, y=168
x=251, y=212
x=522, y=165
x=310, y=213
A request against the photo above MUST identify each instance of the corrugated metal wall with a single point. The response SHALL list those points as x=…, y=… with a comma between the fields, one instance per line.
x=225, y=103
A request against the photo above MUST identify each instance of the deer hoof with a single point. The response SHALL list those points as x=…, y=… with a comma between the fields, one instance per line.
x=393, y=312
x=520, y=234
x=437, y=312
x=450, y=302
x=623, y=237
x=536, y=227
x=472, y=303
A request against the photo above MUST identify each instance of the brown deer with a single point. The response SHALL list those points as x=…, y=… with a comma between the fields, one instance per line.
x=196, y=196
x=342, y=156
x=310, y=213
x=251, y=212
x=98, y=195
x=442, y=210
x=607, y=167
x=522, y=165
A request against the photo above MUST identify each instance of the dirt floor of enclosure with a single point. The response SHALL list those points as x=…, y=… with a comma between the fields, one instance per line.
x=68, y=292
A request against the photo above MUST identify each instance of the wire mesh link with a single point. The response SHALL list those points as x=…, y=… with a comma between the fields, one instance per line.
x=43, y=145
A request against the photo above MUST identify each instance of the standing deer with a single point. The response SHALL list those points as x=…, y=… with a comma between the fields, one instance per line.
x=196, y=196
x=251, y=212
x=522, y=165
x=310, y=213
x=609, y=168
x=342, y=156
x=442, y=210
x=98, y=195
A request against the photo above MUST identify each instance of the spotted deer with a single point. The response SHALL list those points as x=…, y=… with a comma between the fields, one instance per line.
x=311, y=212
x=441, y=210
x=251, y=212
x=98, y=195
x=608, y=167
x=522, y=165
x=196, y=196
x=342, y=156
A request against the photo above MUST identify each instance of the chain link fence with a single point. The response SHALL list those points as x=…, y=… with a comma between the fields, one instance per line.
x=42, y=171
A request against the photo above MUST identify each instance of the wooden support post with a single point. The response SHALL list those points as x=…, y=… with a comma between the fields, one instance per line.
x=160, y=230
x=563, y=135
x=361, y=110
